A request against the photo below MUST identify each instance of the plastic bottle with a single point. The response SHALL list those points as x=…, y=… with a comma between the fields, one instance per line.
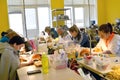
x=45, y=63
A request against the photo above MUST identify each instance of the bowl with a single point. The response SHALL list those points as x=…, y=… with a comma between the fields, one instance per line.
x=88, y=60
x=102, y=63
x=102, y=67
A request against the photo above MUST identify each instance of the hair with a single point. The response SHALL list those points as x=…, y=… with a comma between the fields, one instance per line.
x=9, y=30
x=106, y=28
x=75, y=28
x=12, y=34
x=43, y=32
x=3, y=33
x=47, y=28
x=60, y=28
x=61, y=31
x=16, y=39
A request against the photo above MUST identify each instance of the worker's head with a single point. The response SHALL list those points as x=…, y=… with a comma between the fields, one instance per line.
x=47, y=29
x=60, y=30
x=105, y=30
x=74, y=31
x=17, y=42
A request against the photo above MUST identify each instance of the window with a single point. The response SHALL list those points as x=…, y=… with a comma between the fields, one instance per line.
x=43, y=18
x=69, y=13
x=30, y=15
x=16, y=22
x=38, y=15
x=82, y=11
x=79, y=16
x=31, y=19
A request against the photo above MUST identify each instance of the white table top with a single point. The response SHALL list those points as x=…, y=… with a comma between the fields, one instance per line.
x=62, y=74
x=94, y=69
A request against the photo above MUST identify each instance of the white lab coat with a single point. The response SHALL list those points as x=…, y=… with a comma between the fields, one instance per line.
x=65, y=37
x=113, y=46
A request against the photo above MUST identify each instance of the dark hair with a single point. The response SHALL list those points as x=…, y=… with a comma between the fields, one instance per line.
x=17, y=39
x=3, y=33
x=74, y=28
x=43, y=32
x=106, y=28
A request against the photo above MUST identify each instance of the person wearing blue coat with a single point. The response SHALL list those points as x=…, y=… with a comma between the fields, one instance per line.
x=79, y=37
x=51, y=32
x=4, y=38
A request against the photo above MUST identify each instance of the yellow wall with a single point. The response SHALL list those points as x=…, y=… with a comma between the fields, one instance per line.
x=4, y=25
x=113, y=10
x=57, y=4
x=101, y=11
x=108, y=11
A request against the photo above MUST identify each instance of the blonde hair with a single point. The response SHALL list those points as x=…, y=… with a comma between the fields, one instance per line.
x=11, y=34
x=9, y=30
x=47, y=29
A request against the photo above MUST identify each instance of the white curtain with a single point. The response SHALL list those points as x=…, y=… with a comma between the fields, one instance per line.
x=27, y=2
x=79, y=2
x=17, y=6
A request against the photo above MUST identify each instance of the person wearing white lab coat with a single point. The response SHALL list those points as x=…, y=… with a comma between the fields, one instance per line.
x=109, y=41
x=63, y=35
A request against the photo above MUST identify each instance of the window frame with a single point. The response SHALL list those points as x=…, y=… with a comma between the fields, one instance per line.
x=73, y=6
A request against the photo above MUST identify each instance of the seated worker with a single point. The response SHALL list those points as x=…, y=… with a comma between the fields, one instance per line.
x=9, y=58
x=51, y=32
x=8, y=35
x=109, y=41
x=4, y=38
x=63, y=34
x=79, y=37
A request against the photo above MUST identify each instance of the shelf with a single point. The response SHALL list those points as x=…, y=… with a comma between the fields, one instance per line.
x=61, y=9
x=60, y=17
x=54, y=20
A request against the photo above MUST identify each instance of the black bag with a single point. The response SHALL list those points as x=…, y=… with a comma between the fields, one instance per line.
x=28, y=47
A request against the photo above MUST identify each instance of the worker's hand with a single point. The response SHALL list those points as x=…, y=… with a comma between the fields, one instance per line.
x=30, y=62
x=85, y=51
x=107, y=52
x=97, y=49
